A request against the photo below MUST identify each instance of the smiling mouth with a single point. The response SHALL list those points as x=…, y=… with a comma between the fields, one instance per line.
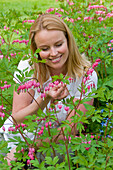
x=54, y=60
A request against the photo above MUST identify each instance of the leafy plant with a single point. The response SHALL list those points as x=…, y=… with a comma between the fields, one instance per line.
x=91, y=24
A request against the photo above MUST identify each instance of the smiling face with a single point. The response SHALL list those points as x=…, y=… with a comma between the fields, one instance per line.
x=54, y=49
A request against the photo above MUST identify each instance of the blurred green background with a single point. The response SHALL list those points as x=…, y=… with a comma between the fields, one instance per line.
x=20, y=5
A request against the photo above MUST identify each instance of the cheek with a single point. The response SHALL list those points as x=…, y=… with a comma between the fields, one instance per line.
x=65, y=48
x=43, y=55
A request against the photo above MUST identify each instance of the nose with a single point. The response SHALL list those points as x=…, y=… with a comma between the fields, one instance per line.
x=53, y=51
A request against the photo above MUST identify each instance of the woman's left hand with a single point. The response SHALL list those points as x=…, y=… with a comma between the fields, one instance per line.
x=58, y=92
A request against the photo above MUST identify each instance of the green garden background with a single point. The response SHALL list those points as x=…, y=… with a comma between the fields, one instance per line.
x=91, y=22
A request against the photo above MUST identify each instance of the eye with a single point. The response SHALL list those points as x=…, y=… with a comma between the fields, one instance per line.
x=44, y=49
x=58, y=45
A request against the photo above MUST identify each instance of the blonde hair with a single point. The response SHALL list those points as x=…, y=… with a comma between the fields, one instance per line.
x=76, y=63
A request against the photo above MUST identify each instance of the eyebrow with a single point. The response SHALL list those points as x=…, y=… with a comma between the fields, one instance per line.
x=55, y=43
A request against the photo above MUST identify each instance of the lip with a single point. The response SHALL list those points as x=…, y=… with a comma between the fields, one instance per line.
x=55, y=60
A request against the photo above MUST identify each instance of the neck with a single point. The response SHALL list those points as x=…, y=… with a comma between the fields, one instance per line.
x=57, y=72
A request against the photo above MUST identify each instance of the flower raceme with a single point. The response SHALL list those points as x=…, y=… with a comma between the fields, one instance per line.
x=47, y=124
x=96, y=6
x=14, y=129
x=6, y=86
x=1, y=111
x=28, y=85
x=29, y=21
x=31, y=152
x=20, y=41
x=2, y=114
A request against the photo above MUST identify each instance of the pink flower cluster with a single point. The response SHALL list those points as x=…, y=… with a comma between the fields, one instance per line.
x=14, y=129
x=1, y=56
x=40, y=132
x=6, y=28
x=20, y=41
x=88, y=73
x=3, y=41
x=96, y=6
x=59, y=15
x=6, y=86
x=40, y=119
x=96, y=63
x=68, y=139
x=66, y=109
x=11, y=129
x=50, y=10
x=31, y=152
x=100, y=19
x=71, y=3
x=13, y=55
x=43, y=95
x=109, y=15
x=16, y=31
x=100, y=12
x=28, y=85
x=86, y=142
x=29, y=21
x=1, y=113
x=88, y=18
x=70, y=20
x=20, y=125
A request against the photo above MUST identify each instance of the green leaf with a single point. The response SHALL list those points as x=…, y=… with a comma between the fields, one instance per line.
x=55, y=160
x=35, y=163
x=48, y=160
x=87, y=106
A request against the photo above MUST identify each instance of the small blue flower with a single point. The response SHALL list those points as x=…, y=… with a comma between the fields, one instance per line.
x=109, y=136
x=102, y=110
x=101, y=131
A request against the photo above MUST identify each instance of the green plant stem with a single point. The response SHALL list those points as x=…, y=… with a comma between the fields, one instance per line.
x=105, y=69
x=76, y=155
x=27, y=91
x=5, y=100
x=51, y=141
x=102, y=71
x=66, y=145
x=107, y=159
x=34, y=99
x=18, y=128
x=106, y=130
x=1, y=97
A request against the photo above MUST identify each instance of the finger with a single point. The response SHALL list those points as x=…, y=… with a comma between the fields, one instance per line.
x=63, y=94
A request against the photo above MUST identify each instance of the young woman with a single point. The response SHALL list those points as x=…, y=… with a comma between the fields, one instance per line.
x=52, y=36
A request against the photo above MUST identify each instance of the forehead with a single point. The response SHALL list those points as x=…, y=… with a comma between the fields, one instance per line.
x=49, y=36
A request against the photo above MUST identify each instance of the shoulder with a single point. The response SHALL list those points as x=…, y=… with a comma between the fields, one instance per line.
x=94, y=78
x=23, y=64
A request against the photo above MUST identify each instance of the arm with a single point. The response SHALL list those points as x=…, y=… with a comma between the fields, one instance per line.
x=23, y=105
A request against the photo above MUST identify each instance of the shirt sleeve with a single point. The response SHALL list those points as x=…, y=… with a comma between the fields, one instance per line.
x=23, y=64
x=90, y=83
